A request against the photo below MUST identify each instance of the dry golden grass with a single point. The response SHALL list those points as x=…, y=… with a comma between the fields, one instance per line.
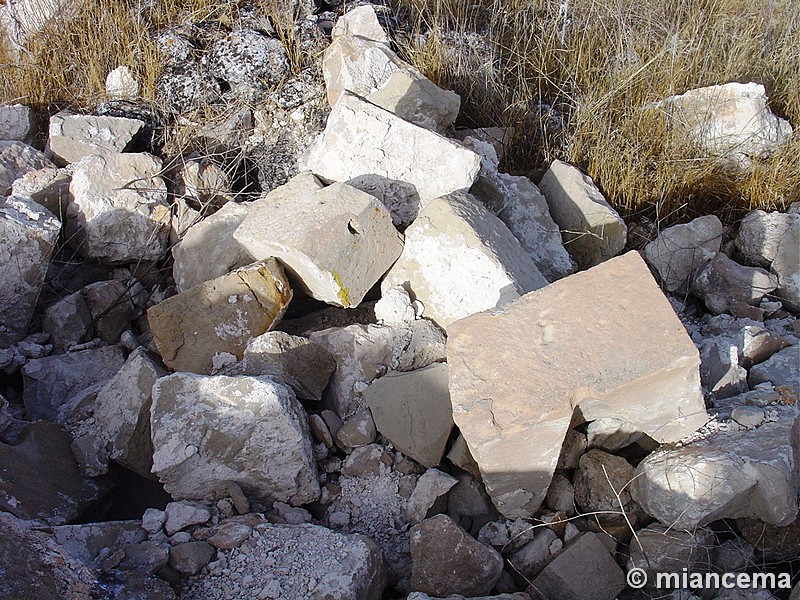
x=601, y=69
x=599, y=64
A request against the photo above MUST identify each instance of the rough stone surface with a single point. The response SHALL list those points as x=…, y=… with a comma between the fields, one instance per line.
x=720, y=370
x=111, y=305
x=402, y=165
x=219, y=316
x=50, y=383
x=73, y=136
x=780, y=369
x=16, y=159
x=730, y=121
x=526, y=214
x=208, y=249
x=361, y=21
x=460, y=259
x=516, y=374
x=662, y=549
x=722, y=283
x=211, y=430
x=48, y=187
x=760, y=234
x=338, y=241
x=600, y=576
x=592, y=231
x=529, y=560
x=773, y=544
x=357, y=430
x=16, y=123
x=34, y=566
x=612, y=433
x=68, y=322
x=39, y=478
x=190, y=557
x=302, y=365
x=446, y=560
x=121, y=84
x=119, y=211
x=122, y=412
x=751, y=473
x=786, y=266
x=180, y=515
x=87, y=542
x=431, y=485
x=679, y=252
x=296, y=562
x=601, y=482
x=412, y=410
x=28, y=234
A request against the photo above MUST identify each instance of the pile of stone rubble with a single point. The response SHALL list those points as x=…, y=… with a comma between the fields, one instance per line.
x=401, y=373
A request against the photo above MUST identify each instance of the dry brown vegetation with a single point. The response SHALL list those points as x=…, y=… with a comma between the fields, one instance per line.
x=575, y=78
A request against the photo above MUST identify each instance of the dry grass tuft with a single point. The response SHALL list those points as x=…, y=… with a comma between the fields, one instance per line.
x=574, y=77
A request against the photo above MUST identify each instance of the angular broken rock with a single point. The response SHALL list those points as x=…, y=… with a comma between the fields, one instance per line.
x=601, y=482
x=460, y=259
x=361, y=21
x=525, y=213
x=760, y=235
x=412, y=410
x=119, y=212
x=249, y=430
x=592, y=231
x=16, y=159
x=730, y=474
x=16, y=123
x=679, y=252
x=730, y=121
x=338, y=241
x=208, y=249
x=39, y=478
x=642, y=368
x=219, y=316
x=50, y=383
x=298, y=562
x=722, y=283
x=122, y=412
x=48, y=187
x=68, y=322
x=302, y=365
x=584, y=570
x=401, y=164
x=73, y=136
x=431, y=485
x=780, y=369
x=787, y=266
x=662, y=549
x=446, y=560
x=28, y=234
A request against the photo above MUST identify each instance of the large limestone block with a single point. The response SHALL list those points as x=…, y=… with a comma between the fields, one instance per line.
x=787, y=266
x=208, y=249
x=361, y=21
x=412, y=410
x=526, y=215
x=338, y=241
x=73, y=136
x=760, y=235
x=731, y=474
x=210, y=430
x=730, y=121
x=119, y=211
x=17, y=123
x=460, y=259
x=48, y=187
x=679, y=252
x=50, y=382
x=28, y=234
x=122, y=412
x=298, y=562
x=16, y=159
x=517, y=373
x=219, y=316
x=591, y=229
x=401, y=164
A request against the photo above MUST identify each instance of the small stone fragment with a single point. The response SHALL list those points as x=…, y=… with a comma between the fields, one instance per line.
x=190, y=557
x=431, y=485
x=357, y=430
x=179, y=515
x=721, y=283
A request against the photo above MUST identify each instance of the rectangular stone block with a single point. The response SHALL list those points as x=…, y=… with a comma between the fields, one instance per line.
x=606, y=336
x=219, y=316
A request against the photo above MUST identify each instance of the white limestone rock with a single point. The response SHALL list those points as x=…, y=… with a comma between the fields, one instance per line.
x=16, y=123
x=401, y=164
x=786, y=266
x=723, y=284
x=252, y=431
x=592, y=231
x=526, y=214
x=48, y=187
x=338, y=241
x=363, y=22
x=459, y=259
x=28, y=234
x=679, y=252
x=208, y=249
x=121, y=84
x=732, y=122
x=760, y=235
x=518, y=372
x=74, y=136
x=119, y=212
x=395, y=307
x=16, y=159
